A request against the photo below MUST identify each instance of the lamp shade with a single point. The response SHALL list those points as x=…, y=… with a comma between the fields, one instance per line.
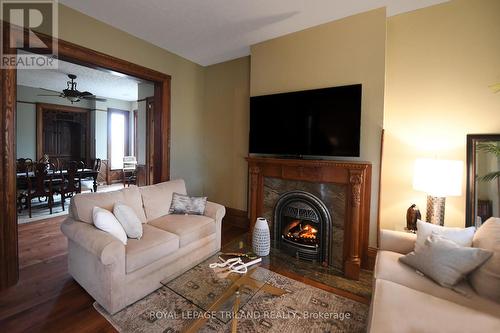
x=439, y=178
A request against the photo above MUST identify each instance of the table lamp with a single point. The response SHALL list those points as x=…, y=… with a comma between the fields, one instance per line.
x=439, y=179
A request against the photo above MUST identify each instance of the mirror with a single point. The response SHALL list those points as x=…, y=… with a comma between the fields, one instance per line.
x=483, y=178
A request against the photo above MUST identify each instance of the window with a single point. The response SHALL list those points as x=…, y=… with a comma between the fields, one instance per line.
x=117, y=137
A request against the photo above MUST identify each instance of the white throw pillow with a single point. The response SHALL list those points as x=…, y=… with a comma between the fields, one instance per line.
x=445, y=261
x=461, y=236
x=106, y=221
x=128, y=219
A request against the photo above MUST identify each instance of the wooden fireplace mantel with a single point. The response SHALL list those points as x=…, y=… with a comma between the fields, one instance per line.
x=357, y=177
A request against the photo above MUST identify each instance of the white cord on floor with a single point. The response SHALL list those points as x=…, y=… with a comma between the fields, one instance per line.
x=234, y=265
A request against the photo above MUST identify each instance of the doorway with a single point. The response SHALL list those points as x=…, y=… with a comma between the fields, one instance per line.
x=118, y=138
x=9, y=256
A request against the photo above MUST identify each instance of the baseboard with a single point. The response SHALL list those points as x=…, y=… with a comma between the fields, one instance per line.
x=237, y=218
x=371, y=255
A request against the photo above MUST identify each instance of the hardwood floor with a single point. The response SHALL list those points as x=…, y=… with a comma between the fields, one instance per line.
x=46, y=298
x=41, y=241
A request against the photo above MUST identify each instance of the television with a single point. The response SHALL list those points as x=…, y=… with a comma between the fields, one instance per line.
x=320, y=122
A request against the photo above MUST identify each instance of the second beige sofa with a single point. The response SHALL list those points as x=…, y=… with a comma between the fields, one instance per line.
x=404, y=301
x=117, y=275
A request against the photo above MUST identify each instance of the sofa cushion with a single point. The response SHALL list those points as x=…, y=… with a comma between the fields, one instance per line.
x=158, y=198
x=396, y=308
x=388, y=267
x=154, y=245
x=486, y=279
x=82, y=204
x=189, y=228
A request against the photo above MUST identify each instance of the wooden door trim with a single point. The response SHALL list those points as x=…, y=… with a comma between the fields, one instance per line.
x=134, y=125
x=156, y=151
x=86, y=57
x=41, y=108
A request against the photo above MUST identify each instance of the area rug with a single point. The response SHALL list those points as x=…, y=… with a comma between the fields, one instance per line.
x=329, y=276
x=179, y=303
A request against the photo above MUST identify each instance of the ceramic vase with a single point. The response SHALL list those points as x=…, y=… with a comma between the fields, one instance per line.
x=261, y=238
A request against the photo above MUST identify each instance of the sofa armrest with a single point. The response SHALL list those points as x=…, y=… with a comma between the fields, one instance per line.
x=217, y=212
x=397, y=241
x=105, y=247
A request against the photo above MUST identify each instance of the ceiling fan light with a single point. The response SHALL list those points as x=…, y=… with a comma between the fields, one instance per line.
x=73, y=99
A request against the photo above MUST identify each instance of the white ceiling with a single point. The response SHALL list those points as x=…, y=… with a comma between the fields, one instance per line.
x=99, y=83
x=212, y=31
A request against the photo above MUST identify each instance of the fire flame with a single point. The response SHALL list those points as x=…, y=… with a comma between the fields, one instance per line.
x=299, y=231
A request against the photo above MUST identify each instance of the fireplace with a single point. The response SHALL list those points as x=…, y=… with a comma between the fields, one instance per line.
x=342, y=186
x=302, y=226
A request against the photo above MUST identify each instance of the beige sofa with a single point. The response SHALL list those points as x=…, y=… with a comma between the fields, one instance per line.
x=404, y=301
x=117, y=275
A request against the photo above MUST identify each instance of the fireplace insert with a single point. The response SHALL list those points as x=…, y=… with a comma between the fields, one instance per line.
x=302, y=226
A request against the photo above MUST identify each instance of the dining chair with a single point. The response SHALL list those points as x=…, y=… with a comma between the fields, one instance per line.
x=40, y=185
x=52, y=163
x=97, y=164
x=88, y=182
x=24, y=165
x=129, y=170
x=22, y=186
x=71, y=181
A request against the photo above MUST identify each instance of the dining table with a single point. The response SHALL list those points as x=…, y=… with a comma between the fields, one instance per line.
x=57, y=175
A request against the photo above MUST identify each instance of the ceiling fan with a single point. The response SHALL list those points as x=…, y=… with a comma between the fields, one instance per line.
x=72, y=94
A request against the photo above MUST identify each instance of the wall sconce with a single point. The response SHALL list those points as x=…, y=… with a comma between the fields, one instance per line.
x=439, y=179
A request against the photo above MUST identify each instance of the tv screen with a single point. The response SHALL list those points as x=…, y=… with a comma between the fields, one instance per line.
x=320, y=122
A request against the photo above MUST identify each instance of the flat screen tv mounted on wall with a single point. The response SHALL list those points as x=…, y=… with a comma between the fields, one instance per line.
x=319, y=122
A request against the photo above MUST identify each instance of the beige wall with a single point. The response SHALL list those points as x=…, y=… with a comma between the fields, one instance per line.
x=437, y=64
x=226, y=120
x=347, y=51
x=187, y=86
x=440, y=62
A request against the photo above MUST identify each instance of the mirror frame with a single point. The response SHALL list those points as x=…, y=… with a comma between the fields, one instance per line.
x=472, y=139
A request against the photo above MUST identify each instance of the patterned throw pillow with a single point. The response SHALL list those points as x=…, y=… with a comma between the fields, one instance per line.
x=183, y=204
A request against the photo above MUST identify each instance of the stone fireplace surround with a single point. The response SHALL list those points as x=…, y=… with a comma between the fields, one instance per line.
x=331, y=195
x=343, y=186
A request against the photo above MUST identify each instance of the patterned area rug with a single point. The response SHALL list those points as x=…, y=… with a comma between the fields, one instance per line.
x=325, y=275
x=180, y=303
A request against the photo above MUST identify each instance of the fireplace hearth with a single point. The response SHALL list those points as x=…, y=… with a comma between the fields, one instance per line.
x=302, y=225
